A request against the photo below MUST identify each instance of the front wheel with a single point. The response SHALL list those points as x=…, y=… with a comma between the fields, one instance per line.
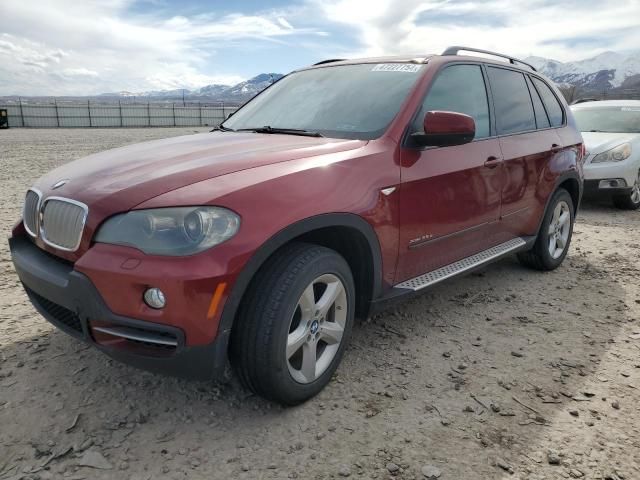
x=294, y=324
x=554, y=236
x=630, y=201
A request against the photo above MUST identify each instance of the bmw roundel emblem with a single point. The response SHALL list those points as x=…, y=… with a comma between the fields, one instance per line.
x=59, y=184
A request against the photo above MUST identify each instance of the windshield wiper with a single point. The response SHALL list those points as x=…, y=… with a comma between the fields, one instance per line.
x=220, y=128
x=284, y=131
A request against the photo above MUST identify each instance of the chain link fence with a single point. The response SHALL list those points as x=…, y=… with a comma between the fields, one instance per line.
x=89, y=114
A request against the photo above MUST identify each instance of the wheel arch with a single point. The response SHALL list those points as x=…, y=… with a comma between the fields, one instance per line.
x=572, y=185
x=348, y=234
x=571, y=182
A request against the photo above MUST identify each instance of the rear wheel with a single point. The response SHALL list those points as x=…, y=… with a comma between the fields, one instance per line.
x=294, y=324
x=630, y=201
x=554, y=236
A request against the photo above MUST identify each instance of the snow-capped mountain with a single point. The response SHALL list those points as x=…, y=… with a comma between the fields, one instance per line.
x=151, y=93
x=252, y=86
x=239, y=93
x=605, y=71
x=122, y=94
x=212, y=90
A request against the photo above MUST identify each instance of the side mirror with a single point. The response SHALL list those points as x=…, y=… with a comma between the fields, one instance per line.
x=444, y=129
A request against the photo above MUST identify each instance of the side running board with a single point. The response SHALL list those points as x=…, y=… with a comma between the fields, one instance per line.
x=463, y=265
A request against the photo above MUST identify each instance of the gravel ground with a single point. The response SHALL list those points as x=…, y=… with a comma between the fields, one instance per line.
x=506, y=373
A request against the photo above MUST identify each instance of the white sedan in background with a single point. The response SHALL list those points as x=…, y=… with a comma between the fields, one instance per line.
x=611, y=132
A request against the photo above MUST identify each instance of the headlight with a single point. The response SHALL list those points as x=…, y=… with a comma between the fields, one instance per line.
x=617, y=154
x=170, y=231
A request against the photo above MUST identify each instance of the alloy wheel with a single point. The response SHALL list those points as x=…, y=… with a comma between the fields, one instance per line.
x=559, y=229
x=316, y=328
x=635, y=191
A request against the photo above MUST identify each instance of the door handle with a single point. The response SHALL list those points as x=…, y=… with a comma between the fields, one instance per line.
x=492, y=162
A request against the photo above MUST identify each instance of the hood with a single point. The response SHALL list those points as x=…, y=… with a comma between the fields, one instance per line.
x=118, y=180
x=598, y=142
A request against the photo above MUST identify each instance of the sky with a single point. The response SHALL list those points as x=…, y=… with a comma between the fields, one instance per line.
x=84, y=47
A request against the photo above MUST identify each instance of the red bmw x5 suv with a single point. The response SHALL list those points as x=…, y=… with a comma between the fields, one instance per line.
x=340, y=187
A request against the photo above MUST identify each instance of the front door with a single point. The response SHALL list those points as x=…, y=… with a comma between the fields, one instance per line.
x=450, y=196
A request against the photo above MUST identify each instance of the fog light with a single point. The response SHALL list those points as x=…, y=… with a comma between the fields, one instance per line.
x=613, y=183
x=154, y=298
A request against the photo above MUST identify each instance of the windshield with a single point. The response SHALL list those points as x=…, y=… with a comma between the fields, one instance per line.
x=608, y=119
x=347, y=101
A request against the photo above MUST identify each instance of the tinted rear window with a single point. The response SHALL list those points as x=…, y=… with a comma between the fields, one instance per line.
x=514, y=111
x=556, y=114
x=542, y=121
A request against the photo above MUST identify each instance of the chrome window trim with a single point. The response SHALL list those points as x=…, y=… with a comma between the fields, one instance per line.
x=43, y=234
x=38, y=206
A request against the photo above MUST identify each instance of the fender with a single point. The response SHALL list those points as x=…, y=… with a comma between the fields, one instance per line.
x=568, y=175
x=283, y=237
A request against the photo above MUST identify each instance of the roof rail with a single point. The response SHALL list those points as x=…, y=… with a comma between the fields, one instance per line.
x=331, y=60
x=512, y=60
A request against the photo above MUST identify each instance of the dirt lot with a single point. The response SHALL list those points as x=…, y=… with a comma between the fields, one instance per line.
x=507, y=373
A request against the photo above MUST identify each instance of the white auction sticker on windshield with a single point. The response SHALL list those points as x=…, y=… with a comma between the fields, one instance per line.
x=630, y=109
x=396, y=67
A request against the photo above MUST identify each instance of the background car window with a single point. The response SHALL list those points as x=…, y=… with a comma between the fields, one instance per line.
x=514, y=110
x=608, y=119
x=542, y=121
x=459, y=88
x=556, y=114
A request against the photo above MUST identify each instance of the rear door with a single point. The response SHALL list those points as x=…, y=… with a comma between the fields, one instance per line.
x=528, y=142
x=450, y=196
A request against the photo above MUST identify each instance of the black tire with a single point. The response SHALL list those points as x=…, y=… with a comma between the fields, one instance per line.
x=631, y=200
x=540, y=257
x=259, y=335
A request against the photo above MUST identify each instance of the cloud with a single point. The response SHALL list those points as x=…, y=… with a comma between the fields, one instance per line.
x=79, y=72
x=284, y=23
x=92, y=47
x=71, y=47
x=519, y=27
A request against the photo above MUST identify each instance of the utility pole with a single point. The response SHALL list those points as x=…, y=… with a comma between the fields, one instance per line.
x=21, y=112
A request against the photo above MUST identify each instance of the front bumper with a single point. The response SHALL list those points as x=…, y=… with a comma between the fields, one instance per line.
x=626, y=170
x=70, y=301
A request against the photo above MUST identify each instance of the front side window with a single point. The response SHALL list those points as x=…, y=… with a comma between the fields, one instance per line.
x=514, y=110
x=556, y=114
x=608, y=119
x=342, y=101
x=461, y=89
